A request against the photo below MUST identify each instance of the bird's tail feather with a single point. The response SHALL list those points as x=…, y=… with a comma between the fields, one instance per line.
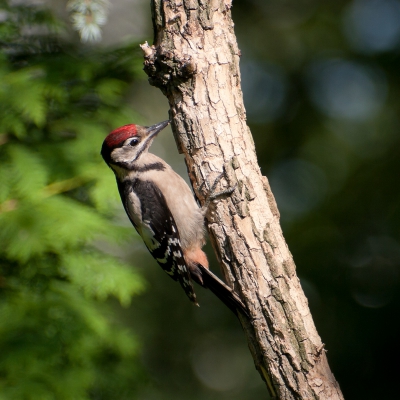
x=222, y=291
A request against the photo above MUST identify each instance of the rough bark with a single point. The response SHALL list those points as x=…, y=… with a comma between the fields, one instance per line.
x=195, y=62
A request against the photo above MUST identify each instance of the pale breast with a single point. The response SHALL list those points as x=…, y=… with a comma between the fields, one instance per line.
x=180, y=200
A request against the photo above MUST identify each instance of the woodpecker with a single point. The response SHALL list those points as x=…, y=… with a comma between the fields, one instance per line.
x=162, y=208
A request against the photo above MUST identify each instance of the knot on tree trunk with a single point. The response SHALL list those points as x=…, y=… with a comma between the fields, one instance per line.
x=165, y=67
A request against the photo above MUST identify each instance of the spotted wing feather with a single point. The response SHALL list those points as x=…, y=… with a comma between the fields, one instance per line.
x=148, y=211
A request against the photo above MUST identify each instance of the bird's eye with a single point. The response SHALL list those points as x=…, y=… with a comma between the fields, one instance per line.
x=134, y=142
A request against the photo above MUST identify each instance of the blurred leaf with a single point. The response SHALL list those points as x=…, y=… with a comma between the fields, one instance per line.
x=29, y=173
x=58, y=340
x=101, y=276
x=109, y=90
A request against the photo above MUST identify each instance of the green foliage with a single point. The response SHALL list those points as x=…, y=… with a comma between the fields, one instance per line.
x=57, y=103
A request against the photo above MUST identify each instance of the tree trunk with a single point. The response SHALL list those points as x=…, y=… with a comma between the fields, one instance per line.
x=195, y=62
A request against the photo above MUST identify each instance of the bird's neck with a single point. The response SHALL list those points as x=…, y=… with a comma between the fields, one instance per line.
x=147, y=162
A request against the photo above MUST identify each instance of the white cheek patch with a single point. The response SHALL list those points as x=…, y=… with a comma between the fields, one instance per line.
x=125, y=154
x=117, y=155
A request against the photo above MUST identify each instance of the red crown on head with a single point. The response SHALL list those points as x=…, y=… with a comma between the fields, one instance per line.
x=119, y=135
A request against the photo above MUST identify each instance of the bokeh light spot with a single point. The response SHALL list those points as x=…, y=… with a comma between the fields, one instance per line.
x=373, y=285
x=345, y=89
x=298, y=186
x=264, y=90
x=219, y=365
x=373, y=25
x=374, y=275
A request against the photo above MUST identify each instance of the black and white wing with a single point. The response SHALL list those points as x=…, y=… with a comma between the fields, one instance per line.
x=148, y=211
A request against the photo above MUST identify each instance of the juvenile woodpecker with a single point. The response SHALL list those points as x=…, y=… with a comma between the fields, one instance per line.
x=163, y=210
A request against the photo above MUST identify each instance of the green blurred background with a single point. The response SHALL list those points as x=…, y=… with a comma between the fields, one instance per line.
x=85, y=313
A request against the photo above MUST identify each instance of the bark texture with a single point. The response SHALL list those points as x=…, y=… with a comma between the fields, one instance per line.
x=195, y=62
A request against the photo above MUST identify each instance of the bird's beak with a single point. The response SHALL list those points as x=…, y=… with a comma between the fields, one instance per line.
x=153, y=130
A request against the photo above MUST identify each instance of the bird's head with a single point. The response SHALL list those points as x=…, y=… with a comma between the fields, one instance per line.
x=125, y=145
